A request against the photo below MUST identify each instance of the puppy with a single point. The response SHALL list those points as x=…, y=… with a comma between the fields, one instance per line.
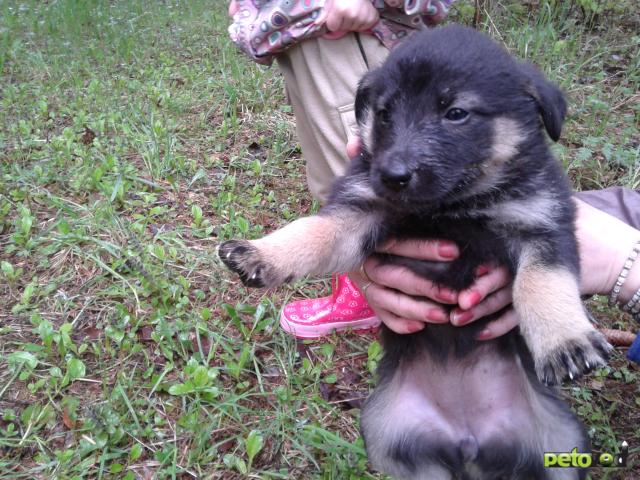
x=454, y=147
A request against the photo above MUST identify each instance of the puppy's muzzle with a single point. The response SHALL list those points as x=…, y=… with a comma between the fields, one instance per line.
x=395, y=176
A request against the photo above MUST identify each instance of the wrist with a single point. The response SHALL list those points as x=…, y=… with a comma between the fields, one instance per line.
x=605, y=244
x=632, y=281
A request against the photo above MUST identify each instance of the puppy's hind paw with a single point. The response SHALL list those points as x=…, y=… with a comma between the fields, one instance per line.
x=574, y=358
x=245, y=260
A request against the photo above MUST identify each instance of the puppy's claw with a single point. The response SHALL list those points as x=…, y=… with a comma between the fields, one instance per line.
x=573, y=359
x=242, y=257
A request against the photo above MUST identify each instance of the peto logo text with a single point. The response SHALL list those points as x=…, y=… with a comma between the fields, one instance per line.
x=586, y=460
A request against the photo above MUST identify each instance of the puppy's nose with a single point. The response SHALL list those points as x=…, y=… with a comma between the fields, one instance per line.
x=395, y=176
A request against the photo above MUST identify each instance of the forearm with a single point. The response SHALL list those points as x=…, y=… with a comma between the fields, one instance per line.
x=605, y=243
x=632, y=284
x=623, y=204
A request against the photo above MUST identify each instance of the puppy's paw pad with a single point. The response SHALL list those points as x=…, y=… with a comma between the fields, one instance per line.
x=244, y=259
x=574, y=358
x=236, y=252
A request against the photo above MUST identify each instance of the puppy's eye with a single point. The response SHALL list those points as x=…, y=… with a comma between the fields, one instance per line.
x=456, y=114
x=383, y=116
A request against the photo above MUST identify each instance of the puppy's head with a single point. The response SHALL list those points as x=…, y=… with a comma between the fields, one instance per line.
x=448, y=114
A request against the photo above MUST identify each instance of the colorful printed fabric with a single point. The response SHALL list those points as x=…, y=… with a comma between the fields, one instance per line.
x=264, y=28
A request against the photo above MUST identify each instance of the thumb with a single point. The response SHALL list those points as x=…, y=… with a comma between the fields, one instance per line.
x=353, y=148
x=233, y=8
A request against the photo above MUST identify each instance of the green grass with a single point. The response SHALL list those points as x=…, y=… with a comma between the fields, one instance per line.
x=133, y=138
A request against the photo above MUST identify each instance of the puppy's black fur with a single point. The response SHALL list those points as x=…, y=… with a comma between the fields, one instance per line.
x=453, y=133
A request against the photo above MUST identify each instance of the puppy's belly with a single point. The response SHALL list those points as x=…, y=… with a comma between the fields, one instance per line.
x=480, y=397
x=476, y=416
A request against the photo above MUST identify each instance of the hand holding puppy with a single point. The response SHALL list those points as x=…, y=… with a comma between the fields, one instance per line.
x=406, y=302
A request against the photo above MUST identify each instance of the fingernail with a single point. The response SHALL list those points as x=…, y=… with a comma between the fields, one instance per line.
x=484, y=334
x=413, y=327
x=446, y=295
x=437, y=315
x=461, y=317
x=482, y=270
x=386, y=246
x=474, y=298
x=447, y=250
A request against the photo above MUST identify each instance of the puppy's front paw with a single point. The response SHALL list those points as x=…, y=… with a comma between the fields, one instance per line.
x=245, y=260
x=573, y=358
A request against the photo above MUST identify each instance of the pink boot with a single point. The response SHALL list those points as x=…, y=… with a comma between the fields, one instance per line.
x=345, y=308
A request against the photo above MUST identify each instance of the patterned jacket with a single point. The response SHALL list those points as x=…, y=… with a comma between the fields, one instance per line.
x=264, y=28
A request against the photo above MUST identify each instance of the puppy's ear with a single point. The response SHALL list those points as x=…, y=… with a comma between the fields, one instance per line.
x=363, y=95
x=550, y=100
x=364, y=113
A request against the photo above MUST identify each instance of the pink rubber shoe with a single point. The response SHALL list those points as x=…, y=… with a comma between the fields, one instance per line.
x=345, y=308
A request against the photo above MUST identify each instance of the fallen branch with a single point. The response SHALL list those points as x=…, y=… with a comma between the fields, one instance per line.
x=619, y=338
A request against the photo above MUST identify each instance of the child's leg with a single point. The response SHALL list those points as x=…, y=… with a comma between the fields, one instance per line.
x=321, y=77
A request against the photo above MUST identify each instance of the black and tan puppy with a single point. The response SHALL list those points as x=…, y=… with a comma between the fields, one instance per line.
x=454, y=147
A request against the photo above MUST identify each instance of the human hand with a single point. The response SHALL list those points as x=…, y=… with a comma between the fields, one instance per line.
x=406, y=302
x=350, y=15
x=401, y=299
x=353, y=148
x=233, y=8
x=490, y=293
x=604, y=243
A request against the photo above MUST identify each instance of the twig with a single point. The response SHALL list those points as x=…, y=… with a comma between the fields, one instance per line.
x=15, y=375
x=481, y=5
x=619, y=338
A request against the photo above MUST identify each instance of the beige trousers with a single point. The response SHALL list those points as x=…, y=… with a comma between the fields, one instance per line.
x=322, y=77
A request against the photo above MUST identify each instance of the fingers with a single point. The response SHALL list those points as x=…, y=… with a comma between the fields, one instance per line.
x=432, y=250
x=399, y=325
x=499, y=327
x=353, y=148
x=404, y=280
x=334, y=21
x=405, y=302
x=492, y=304
x=395, y=323
x=233, y=8
x=370, y=17
x=404, y=306
x=402, y=313
x=338, y=16
x=490, y=280
x=490, y=293
x=351, y=16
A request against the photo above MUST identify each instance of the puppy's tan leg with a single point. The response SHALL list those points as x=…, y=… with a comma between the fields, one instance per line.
x=553, y=321
x=335, y=241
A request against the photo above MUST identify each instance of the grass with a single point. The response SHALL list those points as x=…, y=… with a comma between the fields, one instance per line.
x=133, y=138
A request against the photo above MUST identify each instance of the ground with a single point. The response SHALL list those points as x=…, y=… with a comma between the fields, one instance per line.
x=133, y=139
